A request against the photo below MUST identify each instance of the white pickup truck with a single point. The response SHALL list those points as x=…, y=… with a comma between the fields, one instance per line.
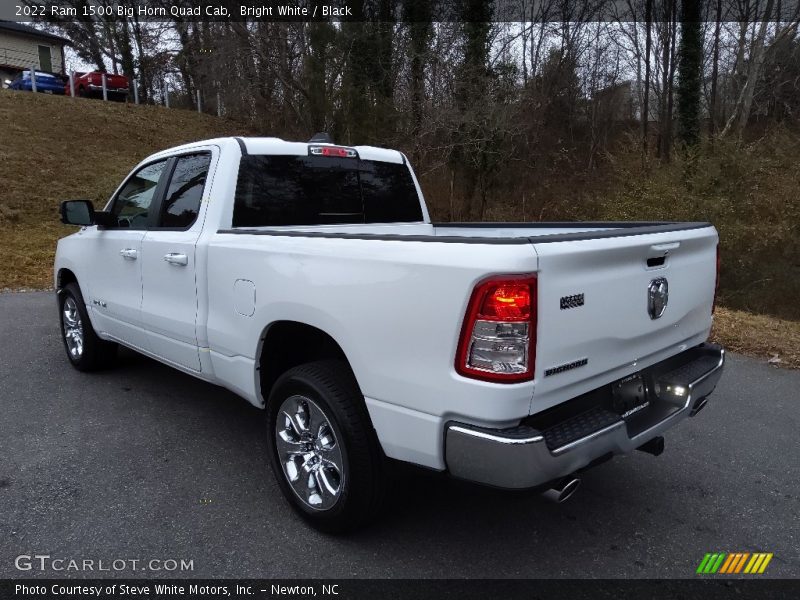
x=309, y=279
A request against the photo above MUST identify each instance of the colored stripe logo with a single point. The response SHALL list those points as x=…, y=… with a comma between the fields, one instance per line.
x=734, y=562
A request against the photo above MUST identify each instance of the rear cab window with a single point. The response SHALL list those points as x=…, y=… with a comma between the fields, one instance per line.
x=274, y=190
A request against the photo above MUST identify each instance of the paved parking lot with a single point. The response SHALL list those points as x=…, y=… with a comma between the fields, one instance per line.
x=143, y=462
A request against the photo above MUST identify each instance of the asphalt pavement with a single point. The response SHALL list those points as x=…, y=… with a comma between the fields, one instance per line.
x=143, y=462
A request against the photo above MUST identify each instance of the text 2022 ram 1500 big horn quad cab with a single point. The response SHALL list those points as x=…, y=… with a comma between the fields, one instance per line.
x=309, y=279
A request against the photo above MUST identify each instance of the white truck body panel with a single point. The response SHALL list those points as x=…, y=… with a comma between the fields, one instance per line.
x=393, y=296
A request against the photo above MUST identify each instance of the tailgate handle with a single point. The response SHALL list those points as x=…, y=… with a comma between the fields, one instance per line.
x=665, y=248
x=657, y=256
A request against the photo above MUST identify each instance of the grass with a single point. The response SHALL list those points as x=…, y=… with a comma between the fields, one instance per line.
x=760, y=336
x=56, y=148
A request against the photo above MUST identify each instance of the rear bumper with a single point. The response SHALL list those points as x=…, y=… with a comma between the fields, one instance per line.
x=532, y=454
x=97, y=90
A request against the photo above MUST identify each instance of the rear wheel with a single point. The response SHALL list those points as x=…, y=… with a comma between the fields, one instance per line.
x=85, y=350
x=323, y=450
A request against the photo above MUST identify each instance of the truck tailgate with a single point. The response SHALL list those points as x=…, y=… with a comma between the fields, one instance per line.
x=594, y=320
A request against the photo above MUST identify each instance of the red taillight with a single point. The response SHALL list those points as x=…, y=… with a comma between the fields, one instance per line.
x=498, y=337
x=716, y=285
x=507, y=302
x=336, y=151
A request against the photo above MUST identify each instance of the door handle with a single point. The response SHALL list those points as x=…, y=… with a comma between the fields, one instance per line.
x=175, y=258
x=129, y=253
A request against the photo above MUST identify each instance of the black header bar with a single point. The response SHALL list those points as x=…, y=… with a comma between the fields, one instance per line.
x=399, y=589
x=390, y=10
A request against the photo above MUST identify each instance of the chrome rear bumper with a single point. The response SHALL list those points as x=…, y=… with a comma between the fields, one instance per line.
x=525, y=457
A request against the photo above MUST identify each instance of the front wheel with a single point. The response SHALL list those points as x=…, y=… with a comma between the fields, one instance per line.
x=85, y=350
x=323, y=450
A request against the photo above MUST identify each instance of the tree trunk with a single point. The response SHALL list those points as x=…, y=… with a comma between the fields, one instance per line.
x=420, y=28
x=126, y=49
x=712, y=103
x=525, y=29
x=667, y=155
x=109, y=35
x=741, y=112
x=320, y=36
x=384, y=73
x=690, y=60
x=663, y=110
x=144, y=72
x=646, y=103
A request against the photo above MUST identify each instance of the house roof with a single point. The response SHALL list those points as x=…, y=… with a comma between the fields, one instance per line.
x=23, y=29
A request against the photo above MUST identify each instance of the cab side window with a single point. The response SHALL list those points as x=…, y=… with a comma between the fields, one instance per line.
x=182, y=201
x=132, y=205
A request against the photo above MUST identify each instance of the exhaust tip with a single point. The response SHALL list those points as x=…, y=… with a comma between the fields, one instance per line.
x=698, y=406
x=563, y=490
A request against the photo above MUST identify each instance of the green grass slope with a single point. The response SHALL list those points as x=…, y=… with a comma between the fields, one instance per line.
x=57, y=148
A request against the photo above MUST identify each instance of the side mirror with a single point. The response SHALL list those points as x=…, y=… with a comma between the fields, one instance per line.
x=82, y=212
x=77, y=212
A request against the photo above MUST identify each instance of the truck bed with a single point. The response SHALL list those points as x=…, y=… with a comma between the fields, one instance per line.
x=608, y=265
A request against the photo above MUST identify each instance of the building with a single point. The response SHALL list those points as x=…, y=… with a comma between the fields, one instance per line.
x=24, y=47
x=624, y=101
x=616, y=102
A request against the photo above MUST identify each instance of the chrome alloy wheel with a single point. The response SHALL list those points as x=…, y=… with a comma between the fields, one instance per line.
x=309, y=452
x=73, y=328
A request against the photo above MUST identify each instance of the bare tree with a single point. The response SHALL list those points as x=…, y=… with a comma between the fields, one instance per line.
x=754, y=67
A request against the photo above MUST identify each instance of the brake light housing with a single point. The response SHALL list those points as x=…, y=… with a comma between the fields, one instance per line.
x=498, y=336
x=334, y=151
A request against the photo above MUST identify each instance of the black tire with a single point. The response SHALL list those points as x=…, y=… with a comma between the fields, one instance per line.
x=94, y=353
x=331, y=387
